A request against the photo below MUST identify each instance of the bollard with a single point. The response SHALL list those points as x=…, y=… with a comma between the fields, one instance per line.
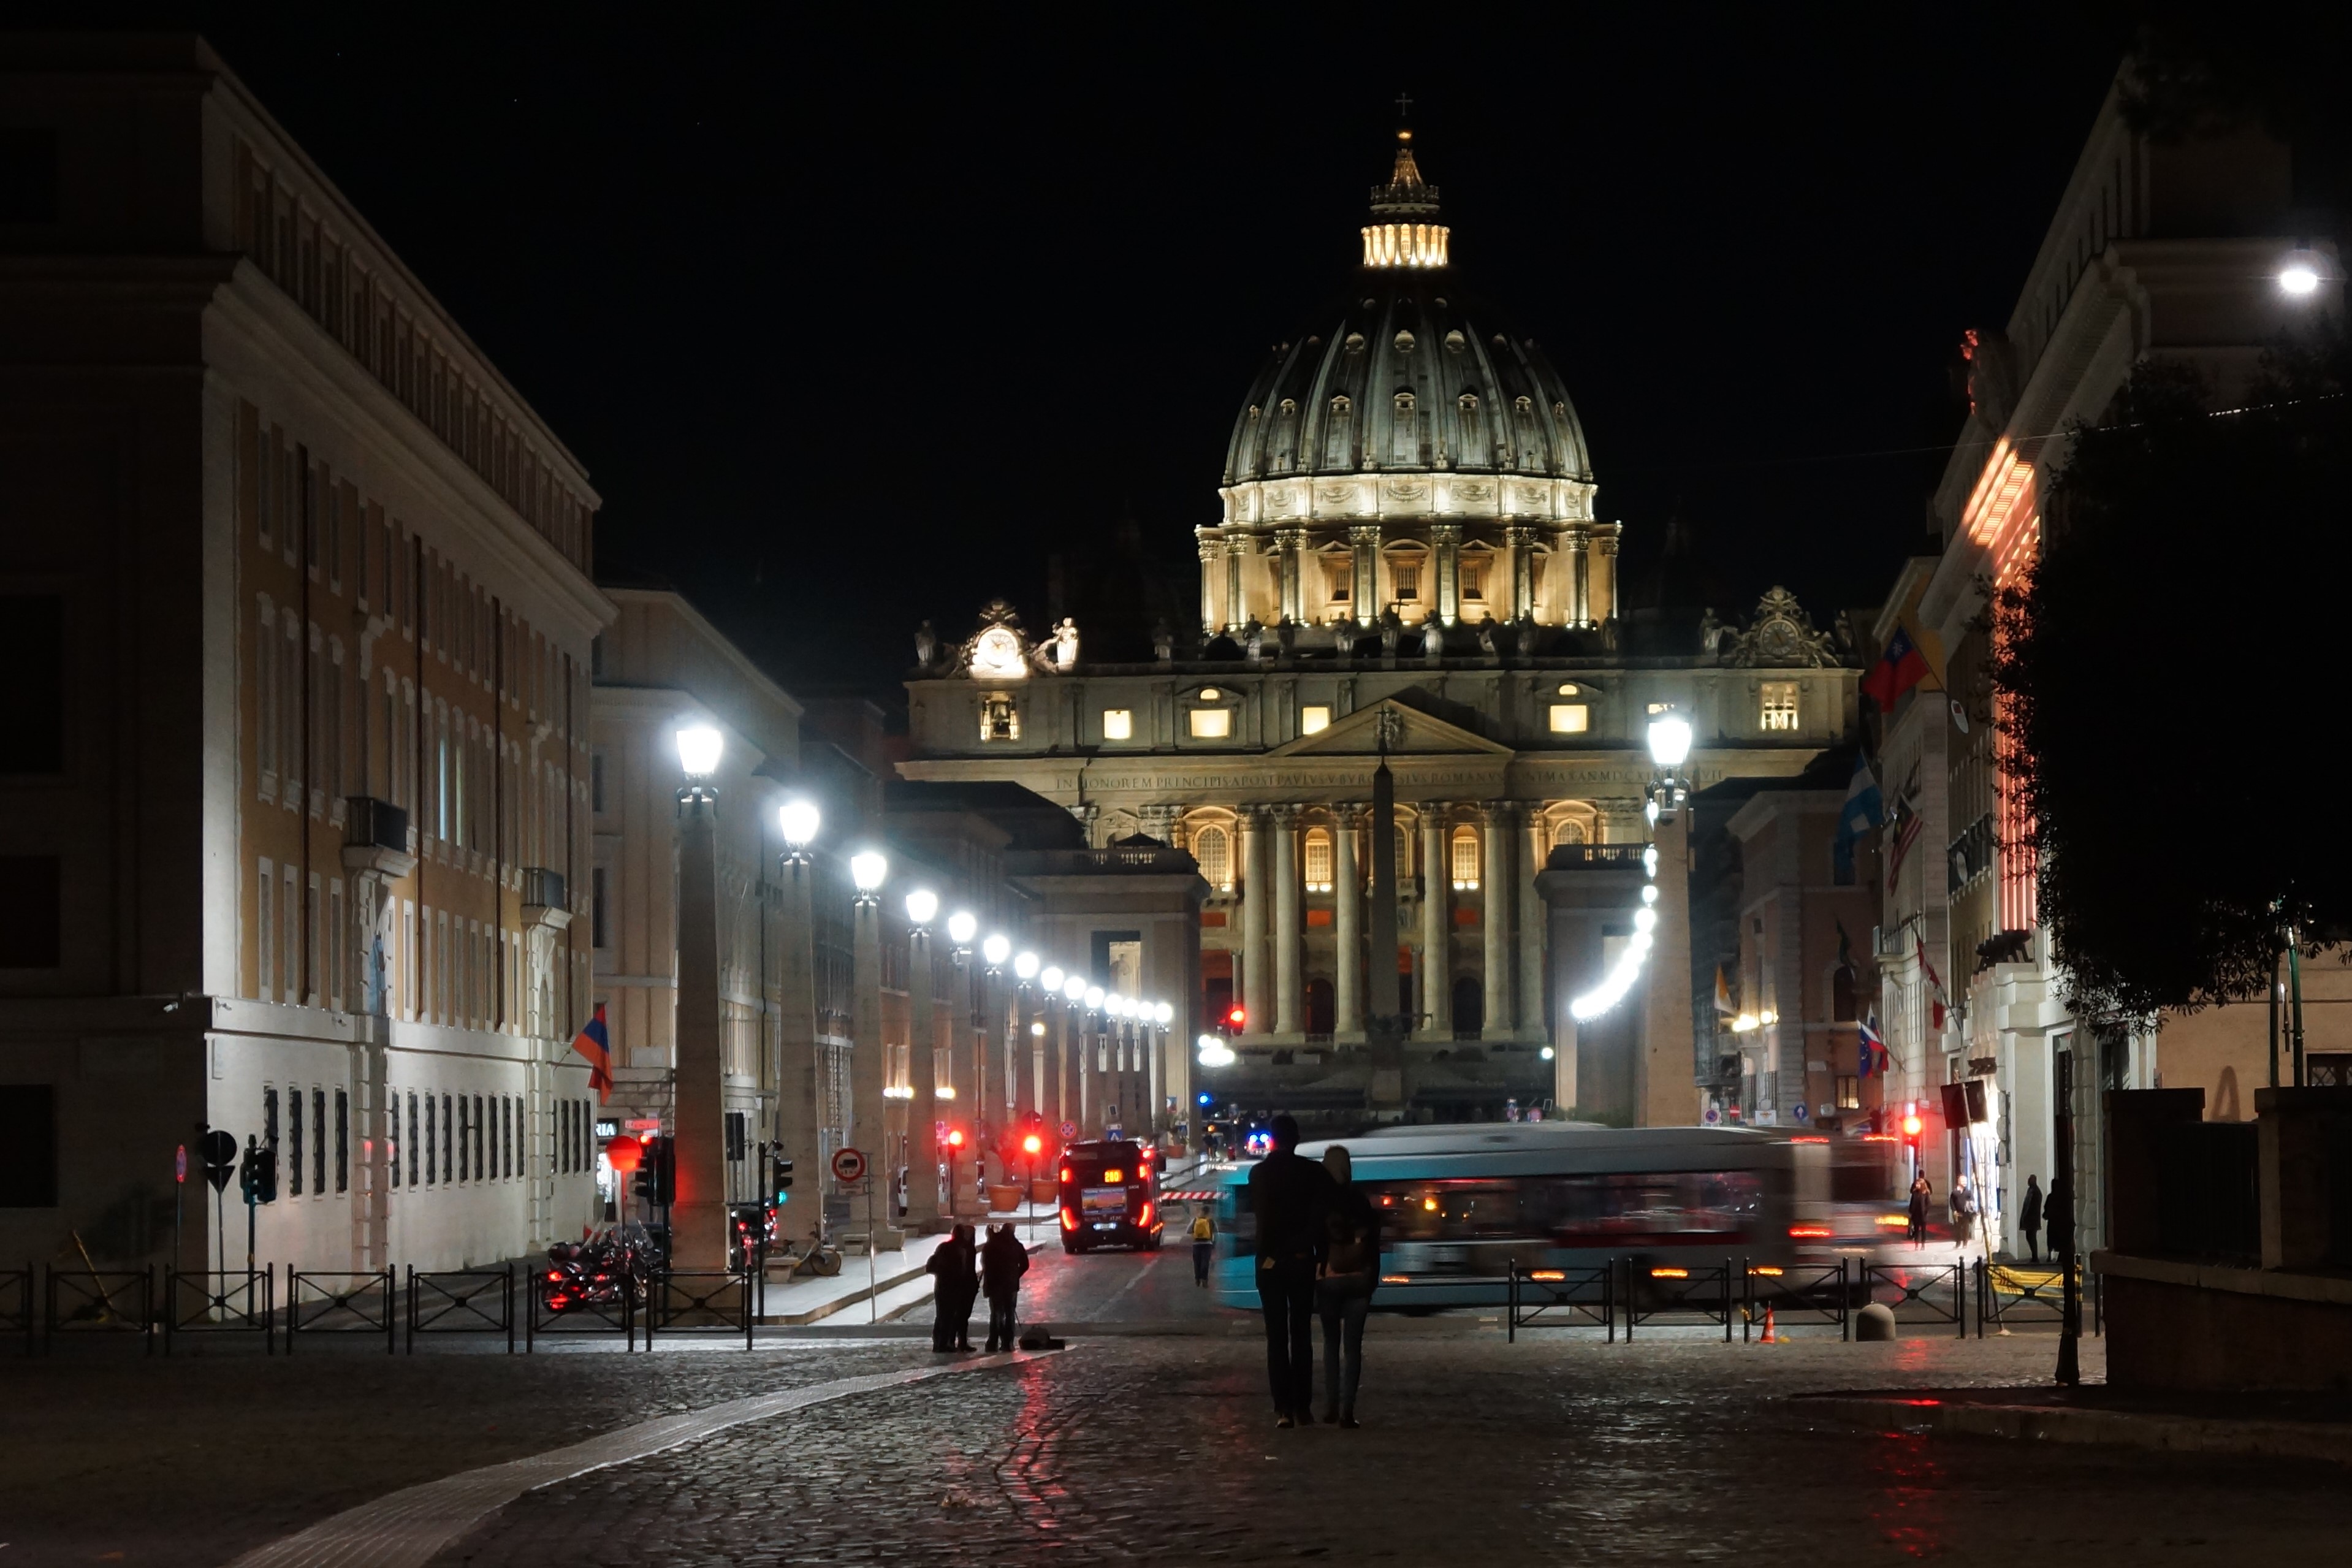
x=1875, y=1321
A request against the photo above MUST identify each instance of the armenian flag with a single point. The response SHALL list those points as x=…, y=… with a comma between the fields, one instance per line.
x=594, y=1043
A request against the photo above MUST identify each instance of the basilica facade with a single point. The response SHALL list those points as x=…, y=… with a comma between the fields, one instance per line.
x=1406, y=525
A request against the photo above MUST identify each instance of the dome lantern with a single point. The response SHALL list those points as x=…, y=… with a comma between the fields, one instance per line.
x=1406, y=234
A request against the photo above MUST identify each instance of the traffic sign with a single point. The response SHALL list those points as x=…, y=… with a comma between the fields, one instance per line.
x=219, y=1150
x=180, y=1165
x=1069, y=1131
x=848, y=1165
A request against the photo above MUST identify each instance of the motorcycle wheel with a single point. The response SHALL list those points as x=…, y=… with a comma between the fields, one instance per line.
x=828, y=1263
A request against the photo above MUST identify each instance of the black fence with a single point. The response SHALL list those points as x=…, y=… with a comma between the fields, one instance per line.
x=99, y=1301
x=1919, y=1293
x=221, y=1302
x=341, y=1303
x=1780, y=1295
x=564, y=1307
x=2012, y=1296
x=16, y=1304
x=461, y=1302
x=700, y=1302
x=1655, y=1291
x=1563, y=1299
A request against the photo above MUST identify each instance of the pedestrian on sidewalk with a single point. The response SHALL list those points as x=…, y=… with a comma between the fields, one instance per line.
x=956, y=1286
x=1288, y=1195
x=1917, y=1229
x=1964, y=1211
x=1343, y=1290
x=1204, y=1245
x=2058, y=1219
x=2029, y=1218
x=1002, y=1261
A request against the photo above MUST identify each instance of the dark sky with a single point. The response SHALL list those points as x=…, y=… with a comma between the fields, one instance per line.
x=853, y=320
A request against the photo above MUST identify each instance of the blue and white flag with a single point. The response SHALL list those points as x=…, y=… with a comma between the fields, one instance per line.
x=1864, y=809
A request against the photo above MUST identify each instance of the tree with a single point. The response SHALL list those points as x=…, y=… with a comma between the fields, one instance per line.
x=2172, y=679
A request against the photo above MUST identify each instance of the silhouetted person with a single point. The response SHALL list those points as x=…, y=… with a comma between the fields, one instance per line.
x=1002, y=1261
x=1289, y=1196
x=952, y=1296
x=1916, y=1228
x=2058, y=1219
x=2029, y=1218
x=1343, y=1290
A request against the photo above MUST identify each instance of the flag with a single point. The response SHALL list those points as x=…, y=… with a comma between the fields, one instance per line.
x=1863, y=811
x=1873, y=1050
x=1723, y=993
x=1935, y=983
x=1904, y=837
x=595, y=1044
x=1899, y=669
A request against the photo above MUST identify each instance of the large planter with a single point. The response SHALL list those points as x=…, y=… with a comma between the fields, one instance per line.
x=1042, y=1190
x=1003, y=1198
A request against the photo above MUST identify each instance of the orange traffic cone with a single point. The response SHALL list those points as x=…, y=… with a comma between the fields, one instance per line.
x=1770, y=1338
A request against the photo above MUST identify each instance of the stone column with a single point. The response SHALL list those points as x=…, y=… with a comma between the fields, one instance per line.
x=1447, y=538
x=867, y=1128
x=1236, y=598
x=698, y=1224
x=1576, y=543
x=1533, y=926
x=1666, y=1090
x=923, y=1207
x=1257, y=902
x=800, y=1103
x=1054, y=1088
x=1605, y=574
x=1347, y=921
x=1436, y=923
x=1523, y=572
x=1498, y=888
x=1155, y=1054
x=1287, y=988
x=1365, y=540
x=1213, y=556
x=1290, y=545
x=1090, y=1089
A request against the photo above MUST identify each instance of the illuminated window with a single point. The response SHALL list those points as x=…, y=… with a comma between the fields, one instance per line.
x=1211, y=723
x=1408, y=582
x=1474, y=580
x=1466, y=859
x=1570, y=718
x=1318, y=861
x=1118, y=723
x=1779, y=705
x=1313, y=720
x=1212, y=848
x=1341, y=576
x=1849, y=1094
x=1000, y=717
x=1660, y=707
x=1568, y=833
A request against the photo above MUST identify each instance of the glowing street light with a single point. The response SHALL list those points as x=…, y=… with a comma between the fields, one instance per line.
x=698, y=749
x=996, y=949
x=961, y=927
x=1074, y=988
x=869, y=868
x=1050, y=977
x=1094, y=995
x=1024, y=968
x=798, y=821
x=922, y=908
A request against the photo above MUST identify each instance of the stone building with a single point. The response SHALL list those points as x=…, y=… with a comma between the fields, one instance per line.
x=296, y=823
x=1406, y=527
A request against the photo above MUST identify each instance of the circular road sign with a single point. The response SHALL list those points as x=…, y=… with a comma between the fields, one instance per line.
x=848, y=1165
x=1069, y=1131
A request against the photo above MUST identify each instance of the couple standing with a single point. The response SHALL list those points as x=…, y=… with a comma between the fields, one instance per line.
x=962, y=1267
x=1318, y=1251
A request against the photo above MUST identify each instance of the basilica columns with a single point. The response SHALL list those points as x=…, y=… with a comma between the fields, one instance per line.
x=1347, y=921
x=1494, y=923
x=1523, y=572
x=1576, y=543
x=1290, y=547
x=1436, y=924
x=1532, y=922
x=1257, y=897
x=1288, y=985
x=1365, y=540
x=1447, y=538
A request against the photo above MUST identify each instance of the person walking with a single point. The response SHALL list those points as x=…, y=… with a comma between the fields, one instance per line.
x=2058, y=1219
x=1963, y=1203
x=1002, y=1261
x=1343, y=1289
x=955, y=1285
x=1205, y=1245
x=1288, y=1195
x=1918, y=1229
x=2029, y=1218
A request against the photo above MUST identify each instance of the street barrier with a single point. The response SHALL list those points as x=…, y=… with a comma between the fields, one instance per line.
x=100, y=1300
x=2012, y=1296
x=16, y=1302
x=221, y=1302
x=559, y=1306
x=1584, y=1299
x=700, y=1303
x=1812, y=1292
x=1673, y=1287
x=461, y=1302
x=341, y=1303
x=1914, y=1292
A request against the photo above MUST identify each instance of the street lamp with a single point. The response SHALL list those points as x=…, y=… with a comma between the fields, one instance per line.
x=699, y=749
x=1670, y=744
x=797, y=1102
x=922, y=908
x=963, y=926
x=1024, y=968
x=700, y=1234
x=996, y=949
x=869, y=868
x=797, y=820
x=1050, y=977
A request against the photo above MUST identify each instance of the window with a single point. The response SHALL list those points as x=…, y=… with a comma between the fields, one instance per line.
x=481, y=1171
x=596, y=781
x=1568, y=833
x=28, y=1156
x=1211, y=723
x=1570, y=718
x=342, y=1141
x=412, y=1139
x=290, y=926
x=1118, y=723
x=1408, y=582
x=596, y=908
x=318, y=1141
x=1314, y=720
x=1473, y=579
x=1318, y=861
x=294, y=1142
x=1000, y=717
x=1213, y=849
x=1466, y=859
x=433, y=1142
x=1341, y=576
x=1779, y=705
x=1849, y=1093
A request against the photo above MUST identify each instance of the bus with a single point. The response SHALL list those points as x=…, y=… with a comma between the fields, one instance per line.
x=1108, y=1195
x=1460, y=1203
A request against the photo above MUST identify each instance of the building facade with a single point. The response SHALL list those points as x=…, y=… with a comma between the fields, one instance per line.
x=298, y=855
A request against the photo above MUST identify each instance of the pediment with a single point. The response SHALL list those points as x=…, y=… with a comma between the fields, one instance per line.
x=1418, y=734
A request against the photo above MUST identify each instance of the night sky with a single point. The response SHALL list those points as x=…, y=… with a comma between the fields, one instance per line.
x=853, y=320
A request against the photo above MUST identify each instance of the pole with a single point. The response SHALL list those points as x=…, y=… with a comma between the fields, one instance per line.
x=2274, y=999
x=2070, y=1327
x=873, y=1291
x=2294, y=1004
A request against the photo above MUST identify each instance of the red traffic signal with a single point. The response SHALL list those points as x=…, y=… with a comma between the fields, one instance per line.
x=1236, y=1016
x=626, y=1155
x=955, y=1137
x=1032, y=1144
x=1911, y=1125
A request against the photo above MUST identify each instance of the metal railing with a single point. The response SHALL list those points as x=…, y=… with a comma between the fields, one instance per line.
x=98, y=1300
x=1594, y=857
x=689, y=1302
x=555, y=1308
x=341, y=1303
x=1584, y=1299
x=221, y=1302
x=1658, y=1290
x=17, y=1303
x=2012, y=1295
x=1914, y=1292
x=1811, y=1293
x=461, y=1302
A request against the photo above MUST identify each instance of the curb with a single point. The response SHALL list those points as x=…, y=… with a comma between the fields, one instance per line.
x=2046, y=1424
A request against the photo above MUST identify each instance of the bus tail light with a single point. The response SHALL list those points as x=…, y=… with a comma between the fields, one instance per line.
x=1548, y=1274
x=1069, y=1219
x=1146, y=1221
x=1804, y=1232
x=1669, y=1273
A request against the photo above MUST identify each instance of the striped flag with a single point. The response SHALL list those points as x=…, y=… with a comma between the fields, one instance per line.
x=595, y=1044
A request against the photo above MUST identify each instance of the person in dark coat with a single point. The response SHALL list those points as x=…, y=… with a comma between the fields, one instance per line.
x=1343, y=1289
x=2058, y=1219
x=1287, y=1197
x=1002, y=1261
x=2029, y=1218
x=957, y=1285
x=1917, y=1231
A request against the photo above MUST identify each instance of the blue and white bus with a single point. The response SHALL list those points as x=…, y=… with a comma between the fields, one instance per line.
x=1462, y=1202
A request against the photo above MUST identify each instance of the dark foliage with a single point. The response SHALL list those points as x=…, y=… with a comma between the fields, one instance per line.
x=2171, y=671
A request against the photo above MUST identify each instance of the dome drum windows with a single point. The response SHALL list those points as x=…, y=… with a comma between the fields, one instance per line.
x=1209, y=713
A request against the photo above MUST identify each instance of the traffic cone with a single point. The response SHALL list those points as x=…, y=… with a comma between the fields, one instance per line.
x=1770, y=1338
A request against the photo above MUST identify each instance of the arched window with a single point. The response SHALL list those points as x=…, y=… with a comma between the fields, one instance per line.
x=1318, y=861
x=1213, y=849
x=1568, y=832
x=1466, y=858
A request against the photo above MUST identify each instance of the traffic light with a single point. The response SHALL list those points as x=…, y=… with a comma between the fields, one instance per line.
x=656, y=1177
x=1235, y=1016
x=1032, y=1144
x=257, y=1172
x=955, y=1140
x=780, y=1178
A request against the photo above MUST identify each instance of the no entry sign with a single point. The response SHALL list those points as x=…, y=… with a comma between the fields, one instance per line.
x=848, y=1165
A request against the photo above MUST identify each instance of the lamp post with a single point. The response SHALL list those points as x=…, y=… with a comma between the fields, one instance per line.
x=699, y=1238
x=868, y=1119
x=1073, y=1089
x=993, y=1042
x=799, y=1107
x=1053, y=1049
x=1163, y=1016
x=1026, y=1060
x=962, y=1080
x=1665, y=1077
x=925, y=1141
x=1091, y=1118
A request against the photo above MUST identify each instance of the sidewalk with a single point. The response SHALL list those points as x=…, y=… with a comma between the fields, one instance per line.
x=2298, y=1426
x=898, y=1279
